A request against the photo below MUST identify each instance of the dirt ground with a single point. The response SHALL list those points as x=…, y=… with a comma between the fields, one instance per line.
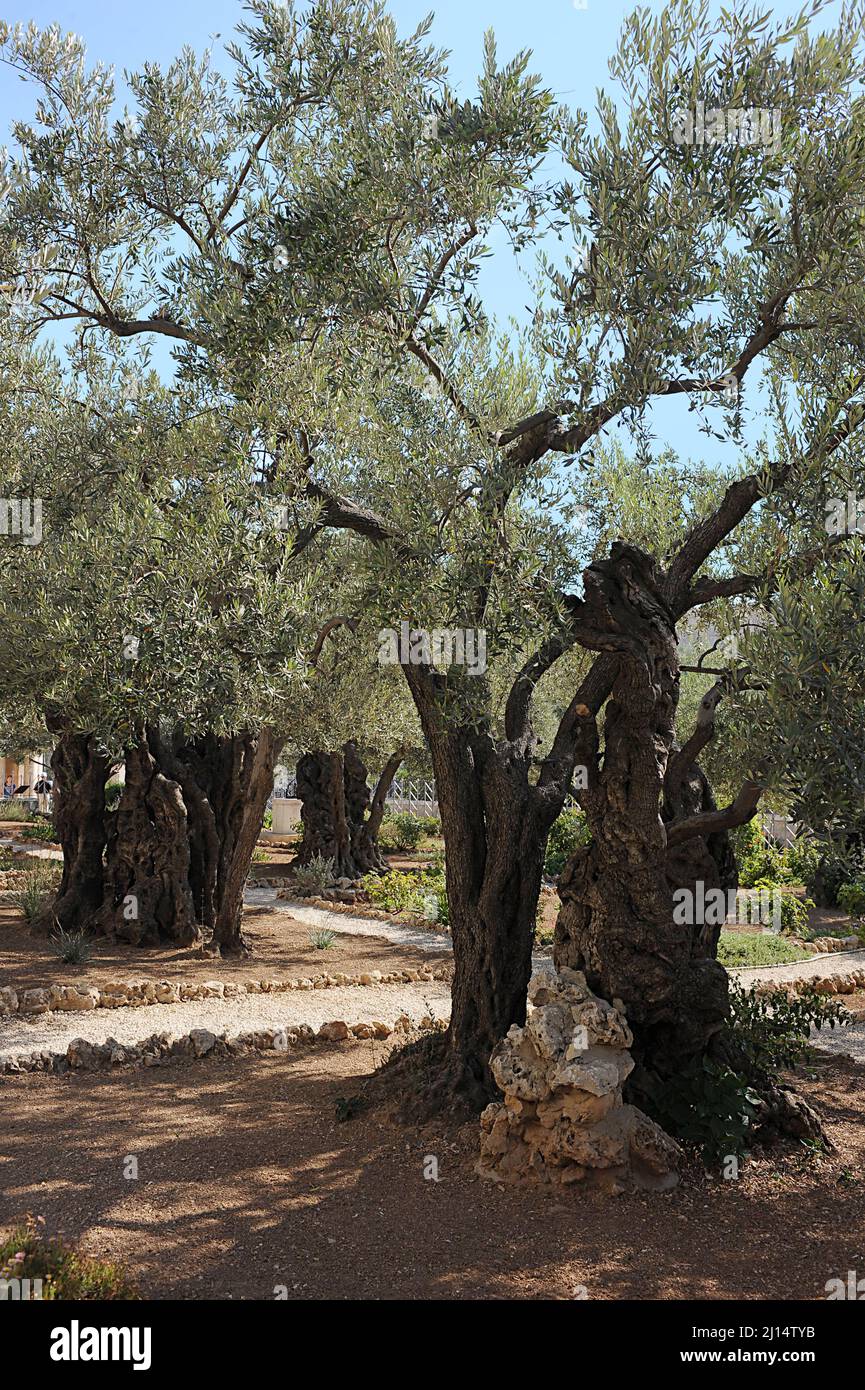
x=280, y=947
x=247, y=1181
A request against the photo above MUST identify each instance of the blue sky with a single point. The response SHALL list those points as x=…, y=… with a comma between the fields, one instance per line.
x=571, y=45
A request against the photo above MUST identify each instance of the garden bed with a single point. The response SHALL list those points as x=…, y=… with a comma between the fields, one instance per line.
x=281, y=949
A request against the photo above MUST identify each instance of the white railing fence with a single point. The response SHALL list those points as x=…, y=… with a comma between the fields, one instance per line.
x=404, y=794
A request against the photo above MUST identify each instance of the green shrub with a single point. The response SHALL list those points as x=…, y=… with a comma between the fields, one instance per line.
x=113, y=793
x=757, y=858
x=421, y=893
x=37, y=890
x=803, y=856
x=851, y=898
x=794, y=912
x=713, y=1105
x=315, y=876
x=773, y=1031
x=40, y=830
x=65, y=1274
x=708, y=1105
x=569, y=832
x=72, y=947
x=259, y=855
x=14, y=810
x=738, y=949
x=832, y=868
x=267, y=822
x=401, y=830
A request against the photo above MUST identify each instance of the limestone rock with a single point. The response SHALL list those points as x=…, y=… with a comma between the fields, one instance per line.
x=334, y=1032
x=563, y=1119
x=71, y=997
x=35, y=1001
x=8, y=1000
x=202, y=1040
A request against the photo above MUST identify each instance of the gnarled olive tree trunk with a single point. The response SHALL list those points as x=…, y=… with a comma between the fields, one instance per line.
x=495, y=823
x=341, y=819
x=225, y=783
x=617, y=917
x=147, y=897
x=81, y=767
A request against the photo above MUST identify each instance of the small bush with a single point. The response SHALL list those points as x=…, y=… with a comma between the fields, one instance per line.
x=851, y=898
x=65, y=1274
x=322, y=940
x=422, y=893
x=832, y=868
x=72, y=947
x=713, y=1105
x=37, y=891
x=113, y=793
x=794, y=913
x=267, y=823
x=708, y=1105
x=14, y=810
x=773, y=1031
x=40, y=830
x=757, y=858
x=314, y=877
x=803, y=856
x=401, y=830
x=259, y=855
x=569, y=832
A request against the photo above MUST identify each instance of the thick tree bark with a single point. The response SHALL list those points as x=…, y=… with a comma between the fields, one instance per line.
x=617, y=917
x=81, y=768
x=226, y=782
x=495, y=824
x=323, y=813
x=147, y=898
x=340, y=821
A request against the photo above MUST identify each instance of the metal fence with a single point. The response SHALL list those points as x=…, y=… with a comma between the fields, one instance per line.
x=404, y=794
x=408, y=794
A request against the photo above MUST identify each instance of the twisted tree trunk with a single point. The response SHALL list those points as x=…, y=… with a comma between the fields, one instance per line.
x=147, y=897
x=340, y=819
x=81, y=768
x=225, y=782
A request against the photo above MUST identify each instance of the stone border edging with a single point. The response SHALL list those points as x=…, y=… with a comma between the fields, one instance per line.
x=120, y=994
x=162, y=1049
x=820, y=984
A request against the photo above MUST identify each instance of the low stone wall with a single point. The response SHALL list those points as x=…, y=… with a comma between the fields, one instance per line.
x=122, y=994
x=821, y=984
x=163, y=1049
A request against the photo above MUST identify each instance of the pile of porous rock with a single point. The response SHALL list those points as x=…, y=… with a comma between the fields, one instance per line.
x=563, y=1119
x=835, y=943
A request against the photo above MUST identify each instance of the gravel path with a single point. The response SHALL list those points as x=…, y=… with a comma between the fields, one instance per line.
x=248, y=1013
x=836, y=963
x=850, y=1040
x=245, y=1014
x=418, y=937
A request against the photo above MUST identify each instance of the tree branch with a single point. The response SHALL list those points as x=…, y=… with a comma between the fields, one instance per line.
x=711, y=822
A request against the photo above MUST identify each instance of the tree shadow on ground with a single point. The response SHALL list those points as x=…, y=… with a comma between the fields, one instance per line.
x=248, y=1183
